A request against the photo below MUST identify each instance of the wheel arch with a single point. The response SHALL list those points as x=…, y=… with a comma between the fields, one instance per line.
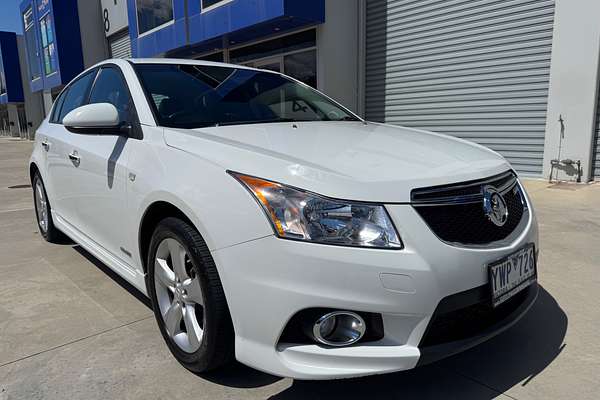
x=154, y=213
x=33, y=169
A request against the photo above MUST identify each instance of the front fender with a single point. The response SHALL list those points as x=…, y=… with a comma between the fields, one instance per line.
x=222, y=211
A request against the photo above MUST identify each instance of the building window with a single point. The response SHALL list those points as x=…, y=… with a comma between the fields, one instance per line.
x=217, y=57
x=284, y=44
x=302, y=66
x=210, y=4
x=294, y=55
x=31, y=44
x=152, y=14
x=48, y=47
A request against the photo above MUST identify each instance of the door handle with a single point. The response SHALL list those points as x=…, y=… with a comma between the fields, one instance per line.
x=46, y=145
x=74, y=157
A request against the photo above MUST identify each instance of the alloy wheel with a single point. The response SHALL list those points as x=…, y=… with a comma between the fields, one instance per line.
x=41, y=206
x=179, y=295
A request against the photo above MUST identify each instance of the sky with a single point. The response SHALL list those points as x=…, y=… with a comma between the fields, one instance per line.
x=9, y=16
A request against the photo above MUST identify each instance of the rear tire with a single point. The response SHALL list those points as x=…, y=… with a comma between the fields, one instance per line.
x=43, y=212
x=187, y=297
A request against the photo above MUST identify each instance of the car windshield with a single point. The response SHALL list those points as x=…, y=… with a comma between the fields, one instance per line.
x=196, y=96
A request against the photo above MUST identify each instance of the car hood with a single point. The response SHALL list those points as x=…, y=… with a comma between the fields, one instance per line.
x=346, y=160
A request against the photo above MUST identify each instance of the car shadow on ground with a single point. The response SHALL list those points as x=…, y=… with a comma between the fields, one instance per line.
x=514, y=357
x=114, y=276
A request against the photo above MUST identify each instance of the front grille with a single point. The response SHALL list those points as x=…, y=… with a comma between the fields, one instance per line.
x=451, y=323
x=455, y=213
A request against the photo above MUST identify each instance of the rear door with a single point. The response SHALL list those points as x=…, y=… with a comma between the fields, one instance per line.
x=57, y=143
x=101, y=180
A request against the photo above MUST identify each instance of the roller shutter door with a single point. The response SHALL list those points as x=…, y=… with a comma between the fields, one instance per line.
x=596, y=149
x=120, y=45
x=476, y=69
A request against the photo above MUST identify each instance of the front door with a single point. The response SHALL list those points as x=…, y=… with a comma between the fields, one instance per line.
x=103, y=173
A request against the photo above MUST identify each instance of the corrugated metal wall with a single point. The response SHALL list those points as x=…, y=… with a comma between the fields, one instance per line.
x=596, y=148
x=477, y=69
x=120, y=45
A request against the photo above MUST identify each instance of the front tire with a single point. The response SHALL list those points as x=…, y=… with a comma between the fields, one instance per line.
x=187, y=297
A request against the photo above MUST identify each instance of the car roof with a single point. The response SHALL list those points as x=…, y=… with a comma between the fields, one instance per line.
x=188, y=62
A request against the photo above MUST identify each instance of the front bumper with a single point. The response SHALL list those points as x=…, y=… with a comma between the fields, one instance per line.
x=466, y=319
x=269, y=280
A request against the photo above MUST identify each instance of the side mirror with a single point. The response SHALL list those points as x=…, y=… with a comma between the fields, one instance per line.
x=99, y=118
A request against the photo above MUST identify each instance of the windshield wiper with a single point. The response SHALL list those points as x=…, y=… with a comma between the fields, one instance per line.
x=257, y=121
x=348, y=118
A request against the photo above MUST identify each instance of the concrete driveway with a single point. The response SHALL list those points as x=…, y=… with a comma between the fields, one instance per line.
x=72, y=329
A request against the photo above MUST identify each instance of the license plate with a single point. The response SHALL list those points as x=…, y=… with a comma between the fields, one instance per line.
x=512, y=274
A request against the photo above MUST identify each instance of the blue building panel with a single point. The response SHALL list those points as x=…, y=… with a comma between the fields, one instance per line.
x=157, y=41
x=231, y=17
x=240, y=20
x=10, y=70
x=68, y=37
x=53, y=41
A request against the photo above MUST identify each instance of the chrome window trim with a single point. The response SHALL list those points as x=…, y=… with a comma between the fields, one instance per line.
x=458, y=200
x=463, y=199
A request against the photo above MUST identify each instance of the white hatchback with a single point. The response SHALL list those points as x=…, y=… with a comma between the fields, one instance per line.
x=270, y=224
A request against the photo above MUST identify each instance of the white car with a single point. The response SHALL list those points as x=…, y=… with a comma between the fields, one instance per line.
x=270, y=224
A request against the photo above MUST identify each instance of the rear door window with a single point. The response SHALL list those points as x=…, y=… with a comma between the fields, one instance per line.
x=56, y=110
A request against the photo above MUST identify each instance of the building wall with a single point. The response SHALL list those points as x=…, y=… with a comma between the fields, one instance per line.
x=62, y=59
x=13, y=118
x=572, y=83
x=115, y=24
x=33, y=101
x=338, y=52
x=93, y=39
x=573, y=89
x=10, y=69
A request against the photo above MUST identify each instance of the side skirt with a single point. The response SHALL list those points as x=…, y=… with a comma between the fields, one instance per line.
x=126, y=272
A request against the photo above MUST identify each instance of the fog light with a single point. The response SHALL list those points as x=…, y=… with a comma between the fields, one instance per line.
x=339, y=328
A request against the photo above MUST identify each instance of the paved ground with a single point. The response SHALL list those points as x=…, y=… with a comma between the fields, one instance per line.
x=71, y=329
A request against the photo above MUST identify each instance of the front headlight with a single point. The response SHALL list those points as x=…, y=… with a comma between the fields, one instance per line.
x=296, y=214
